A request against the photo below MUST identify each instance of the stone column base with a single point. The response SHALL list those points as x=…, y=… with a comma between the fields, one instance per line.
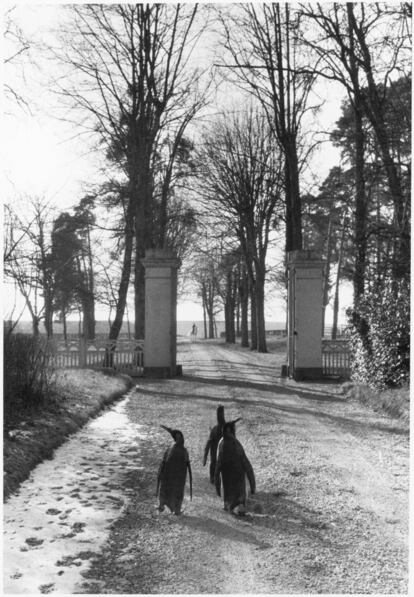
x=284, y=371
x=163, y=372
x=301, y=373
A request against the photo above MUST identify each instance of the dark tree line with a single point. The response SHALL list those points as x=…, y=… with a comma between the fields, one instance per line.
x=240, y=180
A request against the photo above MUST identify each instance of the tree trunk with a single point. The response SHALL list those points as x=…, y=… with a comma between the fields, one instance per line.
x=204, y=316
x=208, y=295
x=125, y=276
x=128, y=323
x=326, y=273
x=89, y=316
x=123, y=286
x=230, y=309
x=48, y=313
x=360, y=209
x=90, y=306
x=139, y=278
x=141, y=187
x=35, y=325
x=253, y=317
x=139, y=283
x=260, y=314
x=211, y=324
x=238, y=317
x=338, y=277
x=294, y=208
x=244, y=303
x=65, y=327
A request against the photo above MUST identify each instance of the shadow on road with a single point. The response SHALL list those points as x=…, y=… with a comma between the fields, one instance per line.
x=352, y=425
x=277, y=511
x=271, y=510
x=275, y=388
x=220, y=529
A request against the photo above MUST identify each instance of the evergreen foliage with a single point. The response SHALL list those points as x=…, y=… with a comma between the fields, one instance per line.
x=380, y=337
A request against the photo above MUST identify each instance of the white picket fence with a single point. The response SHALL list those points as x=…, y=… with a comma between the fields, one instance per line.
x=123, y=355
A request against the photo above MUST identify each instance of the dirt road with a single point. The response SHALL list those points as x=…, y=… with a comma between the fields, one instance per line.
x=331, y=510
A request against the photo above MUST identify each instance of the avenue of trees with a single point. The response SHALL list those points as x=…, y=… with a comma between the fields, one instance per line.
x=222, y=183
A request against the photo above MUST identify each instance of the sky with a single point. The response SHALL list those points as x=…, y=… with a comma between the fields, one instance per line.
x=44, y=156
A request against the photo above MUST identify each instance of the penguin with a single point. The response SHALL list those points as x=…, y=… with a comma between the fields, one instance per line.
x=232, y=467
x=172, y=474
x=213, y=441
x=216, y=434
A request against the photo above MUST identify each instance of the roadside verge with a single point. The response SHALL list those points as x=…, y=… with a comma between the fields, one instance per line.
x=80, y=395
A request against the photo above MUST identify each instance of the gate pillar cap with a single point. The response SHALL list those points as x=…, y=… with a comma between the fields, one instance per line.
x=160, y=258
x=306, y=256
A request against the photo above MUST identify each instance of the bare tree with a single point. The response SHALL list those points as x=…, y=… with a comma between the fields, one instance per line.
x=241, y=178
x=262, y=43
x=134, y=81
x=17, y=47
x=29, y=261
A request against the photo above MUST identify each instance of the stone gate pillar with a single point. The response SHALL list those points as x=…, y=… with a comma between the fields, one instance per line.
x=305, y=299
x=160, y=346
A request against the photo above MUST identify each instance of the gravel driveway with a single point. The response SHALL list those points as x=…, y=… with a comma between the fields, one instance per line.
x=330, y=514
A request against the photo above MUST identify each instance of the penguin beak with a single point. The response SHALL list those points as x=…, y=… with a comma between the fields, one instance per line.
x=170, y=431
x=236, y=420
x=175, y=434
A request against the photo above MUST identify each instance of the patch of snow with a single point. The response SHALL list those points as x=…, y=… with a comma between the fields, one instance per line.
x=62, y=514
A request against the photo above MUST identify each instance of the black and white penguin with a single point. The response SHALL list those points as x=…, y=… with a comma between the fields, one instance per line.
x=232, y=467
x=172, y=474
x=216, y=434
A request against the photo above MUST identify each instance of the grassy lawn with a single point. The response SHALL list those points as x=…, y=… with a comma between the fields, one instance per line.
x=31, y=433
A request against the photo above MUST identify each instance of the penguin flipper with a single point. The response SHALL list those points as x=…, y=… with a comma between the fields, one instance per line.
x=217, y=479
x=250, y=474
x=206, y=451
x=191, y=479
x=161, y=472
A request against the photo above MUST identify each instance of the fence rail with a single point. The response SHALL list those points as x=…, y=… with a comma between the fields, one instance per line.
x=336, y=358
x=122, y=355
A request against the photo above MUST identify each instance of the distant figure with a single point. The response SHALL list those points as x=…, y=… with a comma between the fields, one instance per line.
x=194, y=331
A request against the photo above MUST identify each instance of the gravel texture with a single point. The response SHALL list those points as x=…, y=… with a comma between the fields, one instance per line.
x=330, y=514
x=331, y=510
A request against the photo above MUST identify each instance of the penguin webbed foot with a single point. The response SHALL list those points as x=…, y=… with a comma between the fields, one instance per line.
x=157, y=511
x=240, y=510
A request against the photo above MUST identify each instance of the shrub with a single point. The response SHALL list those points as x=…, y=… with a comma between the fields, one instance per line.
x=380, y=337
x=27, y=370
